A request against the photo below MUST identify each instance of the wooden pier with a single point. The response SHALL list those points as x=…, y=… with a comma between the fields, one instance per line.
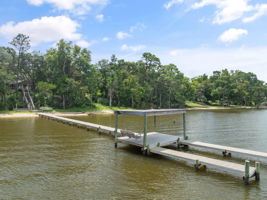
x=154, y=142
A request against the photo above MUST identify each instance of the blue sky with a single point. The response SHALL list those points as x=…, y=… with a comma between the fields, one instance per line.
x=199, y=36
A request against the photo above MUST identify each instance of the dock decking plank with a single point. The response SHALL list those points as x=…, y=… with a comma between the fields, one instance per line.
x=217, y=165
x=225, y=148
x=153, y=138
x=100, y=128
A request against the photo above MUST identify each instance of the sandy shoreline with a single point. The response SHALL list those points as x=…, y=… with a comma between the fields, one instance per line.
x=18, y=115
x=65, y=114
x=70, y=114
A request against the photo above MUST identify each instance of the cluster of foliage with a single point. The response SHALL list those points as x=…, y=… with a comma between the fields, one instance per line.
x=64, y=77
x=230, y=88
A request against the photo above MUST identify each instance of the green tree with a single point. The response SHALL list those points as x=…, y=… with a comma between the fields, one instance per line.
x=45, y=93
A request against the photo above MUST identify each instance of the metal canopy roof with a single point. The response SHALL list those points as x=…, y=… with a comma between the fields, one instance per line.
x=150, y=112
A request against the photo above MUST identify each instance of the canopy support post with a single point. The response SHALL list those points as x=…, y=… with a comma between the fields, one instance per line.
x=145, y=133
x=184, y=128
x=116, y=129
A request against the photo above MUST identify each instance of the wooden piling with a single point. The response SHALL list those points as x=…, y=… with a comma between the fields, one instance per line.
x=257, y=172
x=246, y=176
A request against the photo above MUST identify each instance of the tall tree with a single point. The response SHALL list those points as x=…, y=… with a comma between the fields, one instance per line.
x=22, y=68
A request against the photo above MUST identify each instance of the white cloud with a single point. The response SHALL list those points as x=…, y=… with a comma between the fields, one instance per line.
x=261, y=10
x=197, y=61
x=137, y=27
x=172, y=3
x=231, y=10
x=122, y=35
x=105, y=39
x=232, y=34
x=76, y=6
x=100, y=17
x=45, y=29
x=176, y=52
x=125, y=47
x=227, y=10
x=83, y=43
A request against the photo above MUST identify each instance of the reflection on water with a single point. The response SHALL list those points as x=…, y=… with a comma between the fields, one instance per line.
x=42, y=159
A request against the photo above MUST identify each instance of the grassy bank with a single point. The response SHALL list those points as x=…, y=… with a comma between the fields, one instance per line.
x=95, y=107
x=190, y=104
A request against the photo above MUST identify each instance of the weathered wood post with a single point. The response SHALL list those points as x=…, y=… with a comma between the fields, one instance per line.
x=197, y=164
x=116, y=129
x=184, y=127
x=145, y=133
x=246, y=177
x=257, y=172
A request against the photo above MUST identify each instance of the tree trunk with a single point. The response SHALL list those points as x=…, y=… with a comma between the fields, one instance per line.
x=63, y=67
x=25, y=98
x=110, y=97
x=160, y=100
x=30, y=99
x=63, y=102
x=5, y=100
x=132, y=101
x=169, y=99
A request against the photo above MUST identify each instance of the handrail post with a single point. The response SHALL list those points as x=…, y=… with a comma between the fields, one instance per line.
x=145, y=132
x=184, y=127
x=116, y=129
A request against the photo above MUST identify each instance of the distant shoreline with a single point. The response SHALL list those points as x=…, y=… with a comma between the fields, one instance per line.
x=225, y=108
x=73, y=114
x=62, y=114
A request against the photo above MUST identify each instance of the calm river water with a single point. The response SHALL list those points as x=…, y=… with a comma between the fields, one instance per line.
x=42, y=159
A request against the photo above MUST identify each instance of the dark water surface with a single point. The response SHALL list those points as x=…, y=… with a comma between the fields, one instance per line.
x=42, y=159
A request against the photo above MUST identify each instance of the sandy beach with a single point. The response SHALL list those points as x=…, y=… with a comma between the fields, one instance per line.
x=70, y=114
x=18, y=115
x=62, y=114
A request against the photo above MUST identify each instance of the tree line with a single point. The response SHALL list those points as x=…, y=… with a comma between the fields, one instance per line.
x=64, y=77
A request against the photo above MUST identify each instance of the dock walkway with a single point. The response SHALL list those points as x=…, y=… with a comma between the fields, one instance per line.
x=235, y=152
x=155, y=142
x=212, y=164
x=81, y=124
